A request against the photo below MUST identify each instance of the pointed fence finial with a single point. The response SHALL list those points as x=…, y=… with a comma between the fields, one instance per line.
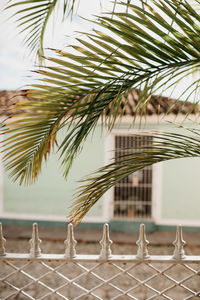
x=2, y=242
x=142, y=243
x=70, y=243
x=35, y=242
x=105, y=243
x=179, y=244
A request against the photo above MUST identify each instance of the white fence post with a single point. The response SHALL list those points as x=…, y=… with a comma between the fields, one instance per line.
x=35, y=242
x=2, y=241
x=70, y=243
x=142, y=243
x=179, y=244
x=105, y=243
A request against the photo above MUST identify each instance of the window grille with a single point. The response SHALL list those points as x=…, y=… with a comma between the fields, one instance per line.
x=133, y=194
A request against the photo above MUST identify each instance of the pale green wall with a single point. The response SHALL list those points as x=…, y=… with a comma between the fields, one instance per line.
x=52, y=194
x=180, y=190
x=180, y=185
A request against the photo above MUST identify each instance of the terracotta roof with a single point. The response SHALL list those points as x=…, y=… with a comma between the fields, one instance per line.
x=156, y=106
x=7, y=99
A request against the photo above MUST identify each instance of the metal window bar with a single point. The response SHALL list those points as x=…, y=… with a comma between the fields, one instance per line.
x=133, y=194
x=35, y=275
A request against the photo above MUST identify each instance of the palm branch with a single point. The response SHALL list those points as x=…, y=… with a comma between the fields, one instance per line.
x=32, y=17
x=135, y=49
x=163, y=147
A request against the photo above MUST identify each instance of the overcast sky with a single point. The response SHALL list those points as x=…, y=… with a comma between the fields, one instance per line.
x=15, y=60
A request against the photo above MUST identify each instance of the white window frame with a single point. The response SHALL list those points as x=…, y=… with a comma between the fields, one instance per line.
x=156, y=177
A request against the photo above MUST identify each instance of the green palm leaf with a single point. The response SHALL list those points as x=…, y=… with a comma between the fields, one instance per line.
x=163, y=147
x=31, y=140
x=138, y=49
x=32, y=17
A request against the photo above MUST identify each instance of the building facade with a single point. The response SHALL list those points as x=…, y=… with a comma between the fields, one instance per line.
x=162, y=195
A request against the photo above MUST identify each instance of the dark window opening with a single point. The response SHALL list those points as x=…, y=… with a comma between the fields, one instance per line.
x=133, y=194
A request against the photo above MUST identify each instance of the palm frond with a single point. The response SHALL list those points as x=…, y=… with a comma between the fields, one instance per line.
x=29, y=138
x=127, y=50
x=163, y=147
x=32, y=17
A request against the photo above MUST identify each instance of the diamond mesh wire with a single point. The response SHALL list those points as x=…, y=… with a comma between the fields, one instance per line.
x=105, y=276
x=93, y=279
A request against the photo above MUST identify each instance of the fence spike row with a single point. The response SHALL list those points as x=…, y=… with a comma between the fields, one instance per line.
x=142, y=243
x=105, y=243
x=35, y=242
x=55, y=276
x=2, y=242
x=179, y=243
x=70, y=243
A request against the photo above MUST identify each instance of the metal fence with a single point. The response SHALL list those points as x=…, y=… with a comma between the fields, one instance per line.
x=35, y=275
